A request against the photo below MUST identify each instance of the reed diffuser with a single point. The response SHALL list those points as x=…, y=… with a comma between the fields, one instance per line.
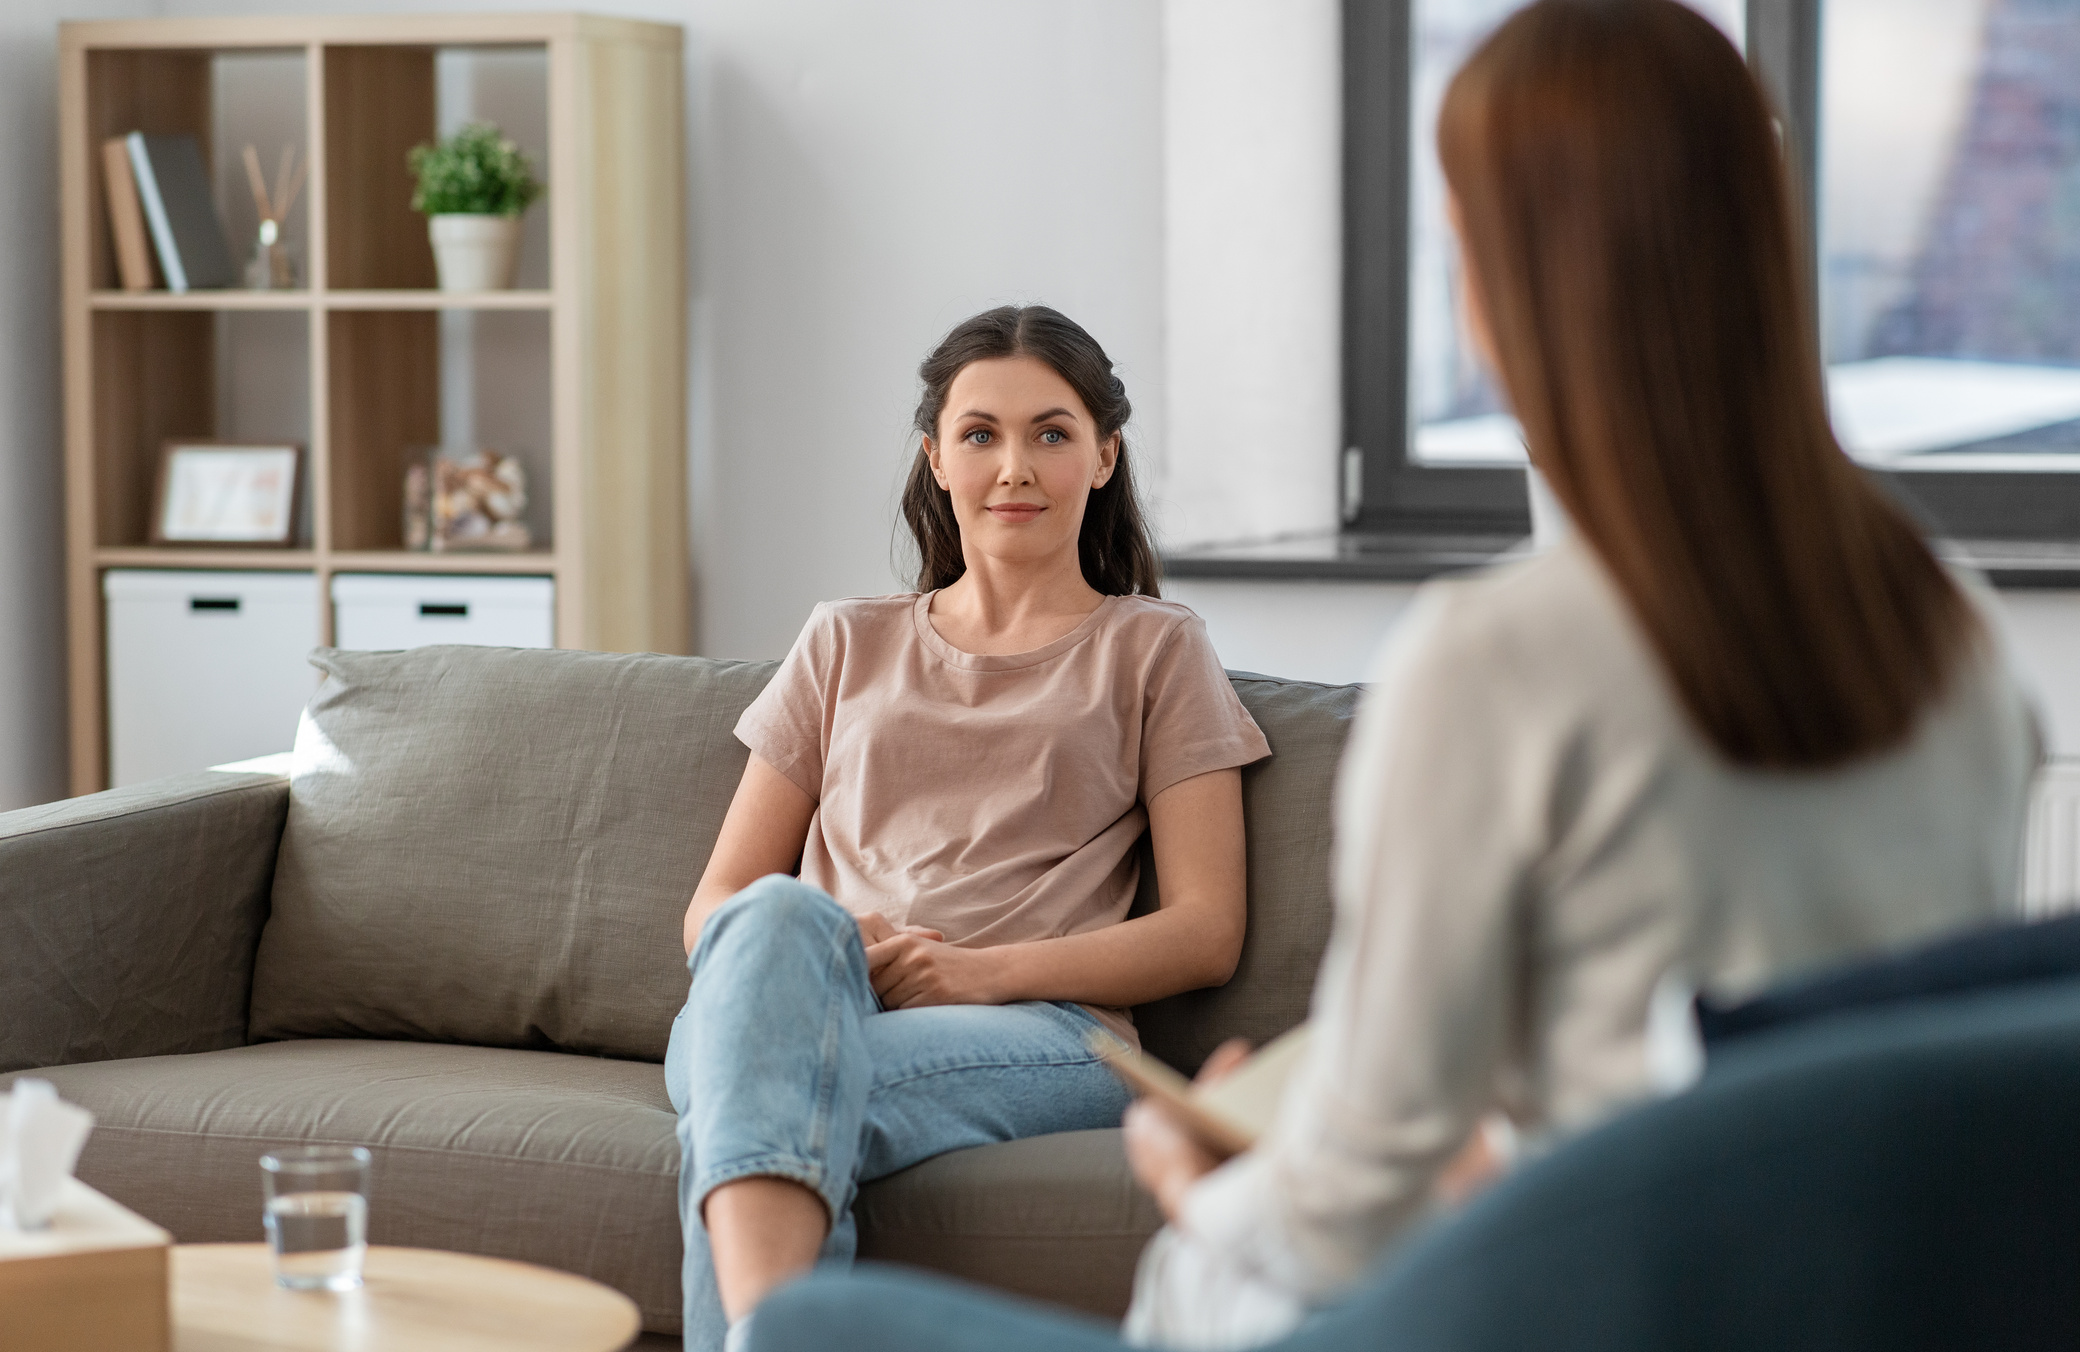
x=273, y=264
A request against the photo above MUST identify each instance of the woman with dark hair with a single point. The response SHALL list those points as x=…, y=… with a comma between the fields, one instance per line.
x=1738, y=722
x=960, y=775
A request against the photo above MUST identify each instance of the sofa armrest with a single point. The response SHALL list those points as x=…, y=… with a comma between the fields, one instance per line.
x=129, y=919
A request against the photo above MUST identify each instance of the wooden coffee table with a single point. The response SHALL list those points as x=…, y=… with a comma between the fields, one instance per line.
x=411, y=1300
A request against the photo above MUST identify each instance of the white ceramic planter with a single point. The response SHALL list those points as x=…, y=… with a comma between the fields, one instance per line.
x=475, y=253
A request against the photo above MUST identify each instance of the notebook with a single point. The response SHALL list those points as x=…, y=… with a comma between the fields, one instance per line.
x=181, y=211
x=1226, y=1116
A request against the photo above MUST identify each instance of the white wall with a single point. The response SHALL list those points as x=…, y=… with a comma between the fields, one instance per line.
x=1306, y=631
x=32, y=656
x=2043, y=632
x=1253, y=262
x=869, y=175
x=1328, y=631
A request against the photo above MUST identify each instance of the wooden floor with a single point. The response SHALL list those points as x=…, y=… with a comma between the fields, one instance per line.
x=656, y=1342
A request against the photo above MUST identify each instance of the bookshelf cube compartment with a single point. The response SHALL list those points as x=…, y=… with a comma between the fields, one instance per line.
x=160, y=93
x=240, y=376
x=155, y=377
x=382, y=101
x=225, y=100
x=404, y=381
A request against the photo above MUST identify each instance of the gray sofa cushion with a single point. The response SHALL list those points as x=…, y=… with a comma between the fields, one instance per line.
x=496, y=846
x=1286, y=806
x=1056, y=1218
x=567, y=1161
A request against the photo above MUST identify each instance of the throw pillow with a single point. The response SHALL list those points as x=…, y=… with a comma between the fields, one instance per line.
x=496, y=846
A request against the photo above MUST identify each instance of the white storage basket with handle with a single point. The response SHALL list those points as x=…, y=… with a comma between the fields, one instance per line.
x=204, y=667
x=381, y=611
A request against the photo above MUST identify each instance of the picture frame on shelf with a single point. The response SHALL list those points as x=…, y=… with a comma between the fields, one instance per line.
x=227, y=493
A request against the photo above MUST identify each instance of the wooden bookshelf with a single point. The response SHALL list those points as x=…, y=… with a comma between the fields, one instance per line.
x=331, y=300
x=143, y=366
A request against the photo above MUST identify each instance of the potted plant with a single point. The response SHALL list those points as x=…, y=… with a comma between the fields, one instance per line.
x=473, y=189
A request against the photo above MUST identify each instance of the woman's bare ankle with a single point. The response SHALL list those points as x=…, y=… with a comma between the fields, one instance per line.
x=762, y=1231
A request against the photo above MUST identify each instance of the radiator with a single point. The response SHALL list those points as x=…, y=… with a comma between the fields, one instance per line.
x=2051, y=845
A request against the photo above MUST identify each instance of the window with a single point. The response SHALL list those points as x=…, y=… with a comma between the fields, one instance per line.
x=1949, y=240
x=1941, y=140
x=1455, y=411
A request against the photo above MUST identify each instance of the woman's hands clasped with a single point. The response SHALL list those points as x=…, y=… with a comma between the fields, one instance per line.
x=912, y=967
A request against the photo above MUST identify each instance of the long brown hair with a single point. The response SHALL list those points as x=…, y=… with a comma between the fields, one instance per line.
x=1112, y=545
x=1629, y=229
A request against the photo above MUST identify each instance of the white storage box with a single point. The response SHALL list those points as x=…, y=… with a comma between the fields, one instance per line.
x=381, y=611
x=205, y=667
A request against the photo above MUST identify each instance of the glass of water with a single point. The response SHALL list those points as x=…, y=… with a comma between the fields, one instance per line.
x=317, y=1215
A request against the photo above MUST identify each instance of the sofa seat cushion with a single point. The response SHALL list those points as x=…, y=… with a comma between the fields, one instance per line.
x=1057, y=1218
x=566, y=1161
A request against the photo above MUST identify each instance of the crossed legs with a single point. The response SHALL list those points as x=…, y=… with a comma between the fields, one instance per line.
x=793, y=1087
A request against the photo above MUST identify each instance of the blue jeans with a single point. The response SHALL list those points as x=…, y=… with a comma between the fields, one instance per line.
x=784, y=1065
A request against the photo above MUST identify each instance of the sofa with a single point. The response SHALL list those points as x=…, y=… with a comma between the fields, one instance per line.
x=451, y=932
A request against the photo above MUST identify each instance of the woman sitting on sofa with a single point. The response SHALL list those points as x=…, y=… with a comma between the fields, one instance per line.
x=962, y=774
x=1739, y=722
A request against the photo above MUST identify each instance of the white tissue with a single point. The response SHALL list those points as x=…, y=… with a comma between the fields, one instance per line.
x=40, y=1140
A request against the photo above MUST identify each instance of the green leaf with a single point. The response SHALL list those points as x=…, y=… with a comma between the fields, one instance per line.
x=477, y=171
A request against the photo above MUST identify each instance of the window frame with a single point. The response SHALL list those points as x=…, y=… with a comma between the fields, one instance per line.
x=1389, y=494
x=1385, y=493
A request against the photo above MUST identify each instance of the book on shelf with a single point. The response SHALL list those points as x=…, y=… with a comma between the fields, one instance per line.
x=174, y=188
x=126, y=216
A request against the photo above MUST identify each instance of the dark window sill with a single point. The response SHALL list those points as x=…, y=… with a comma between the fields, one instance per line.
x=1348, y=557
x=1411, y=557
x=2019, y=565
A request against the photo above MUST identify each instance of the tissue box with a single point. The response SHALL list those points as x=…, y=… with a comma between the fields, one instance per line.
x=94, y=1281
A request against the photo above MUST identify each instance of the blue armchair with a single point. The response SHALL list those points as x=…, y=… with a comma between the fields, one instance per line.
x=1887, y=1180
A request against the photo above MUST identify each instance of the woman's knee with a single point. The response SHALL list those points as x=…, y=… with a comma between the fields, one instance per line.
x=778, y=935
x=775, y=905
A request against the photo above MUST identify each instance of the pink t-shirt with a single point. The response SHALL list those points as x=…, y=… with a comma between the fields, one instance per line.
x=995, y=799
